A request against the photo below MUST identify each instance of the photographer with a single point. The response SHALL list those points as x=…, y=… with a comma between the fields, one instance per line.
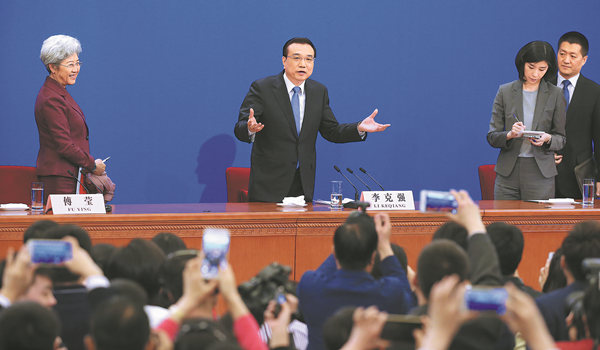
x=343, y=279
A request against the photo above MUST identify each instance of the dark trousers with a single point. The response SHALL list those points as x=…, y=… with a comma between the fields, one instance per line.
x=525, y=182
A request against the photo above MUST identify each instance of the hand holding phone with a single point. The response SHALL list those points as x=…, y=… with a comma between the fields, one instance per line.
x=49, y=251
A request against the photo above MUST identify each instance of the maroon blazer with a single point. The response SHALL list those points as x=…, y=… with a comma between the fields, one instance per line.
x=64, y=135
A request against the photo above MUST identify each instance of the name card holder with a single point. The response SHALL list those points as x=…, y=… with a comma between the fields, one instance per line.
x=76, y=204
x=389, y=200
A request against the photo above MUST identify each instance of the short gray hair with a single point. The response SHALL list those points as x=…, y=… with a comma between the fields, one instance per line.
x=58, y=47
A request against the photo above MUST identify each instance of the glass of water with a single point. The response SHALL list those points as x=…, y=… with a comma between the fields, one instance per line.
x=37, y=196
x=336, y=195
x=588, y=192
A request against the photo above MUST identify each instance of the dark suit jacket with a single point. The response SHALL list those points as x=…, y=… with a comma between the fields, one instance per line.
x=583, y=128
x=278, y=149
x=549, y=116
x=63, y=132
x=553, y=307
x=323, y=292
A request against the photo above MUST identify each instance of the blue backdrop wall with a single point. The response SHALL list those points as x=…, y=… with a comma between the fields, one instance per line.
x=162, y=82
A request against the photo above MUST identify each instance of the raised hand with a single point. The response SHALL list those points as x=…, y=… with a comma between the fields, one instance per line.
x=253, y=125
x=370, y=125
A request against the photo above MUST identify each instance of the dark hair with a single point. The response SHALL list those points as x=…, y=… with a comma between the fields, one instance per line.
x=62, y=274
x=101, y=254
x=453, y=231
x=508, y=240
x=28, y=326
x=38, y=229
x=533, y=52
x=119, y=287
x=140, y=261
x=298, y=41
x=337, y=328
x=171, y=274
x=120, y=324
x=576, y=38
x=581, y=243
x=556, y=277
x=169, y=242
x=200, y=333
x=399, y=253
x=355, y=242
x=439, y=259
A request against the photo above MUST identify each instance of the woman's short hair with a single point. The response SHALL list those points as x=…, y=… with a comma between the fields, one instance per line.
x=58, y=47
x=533, y=52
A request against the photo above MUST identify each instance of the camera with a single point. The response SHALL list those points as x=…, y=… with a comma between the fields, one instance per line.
x=486, y=299
x=271, y=283
x=437, y=201
x=49, y=251
x=579, y=301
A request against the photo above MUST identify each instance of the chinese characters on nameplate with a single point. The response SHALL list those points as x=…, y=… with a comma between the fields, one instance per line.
x=389, y=200
x=77, y=203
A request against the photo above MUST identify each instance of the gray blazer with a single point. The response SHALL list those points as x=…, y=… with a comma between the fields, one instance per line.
x=549, y=116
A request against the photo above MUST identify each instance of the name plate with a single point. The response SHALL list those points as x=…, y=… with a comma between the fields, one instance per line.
x=77, y=203
x=389, y=200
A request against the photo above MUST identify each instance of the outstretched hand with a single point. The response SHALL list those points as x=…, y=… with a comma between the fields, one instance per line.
x=370, y=125
x=253, y=125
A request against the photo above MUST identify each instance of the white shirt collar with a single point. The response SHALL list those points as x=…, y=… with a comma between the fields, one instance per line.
x=573, y=80
x=289, y=85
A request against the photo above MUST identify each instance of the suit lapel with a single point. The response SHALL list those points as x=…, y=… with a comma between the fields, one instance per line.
x=518, y=100
x=310, y=106
x=283, y=99
x=540, y=103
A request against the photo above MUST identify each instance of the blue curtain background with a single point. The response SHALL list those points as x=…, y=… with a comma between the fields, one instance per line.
x=162, y=82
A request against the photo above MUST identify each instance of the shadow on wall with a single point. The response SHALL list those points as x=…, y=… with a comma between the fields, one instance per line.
x=214, y=157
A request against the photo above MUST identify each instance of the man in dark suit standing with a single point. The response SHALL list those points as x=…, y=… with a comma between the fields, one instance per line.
x=281, y=115
x=583, y=114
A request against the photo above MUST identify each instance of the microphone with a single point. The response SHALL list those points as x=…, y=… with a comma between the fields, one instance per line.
x=76, y=179
x=369, y=175
x=347, y=179
x=359, y=179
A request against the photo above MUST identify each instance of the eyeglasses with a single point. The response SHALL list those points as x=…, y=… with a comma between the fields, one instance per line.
x=71, y=65
x=297, y=59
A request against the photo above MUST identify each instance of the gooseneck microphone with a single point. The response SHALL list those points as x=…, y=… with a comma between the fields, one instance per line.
x=347, y=179
x=369, y=175
x=76, y=179
x=358, y=178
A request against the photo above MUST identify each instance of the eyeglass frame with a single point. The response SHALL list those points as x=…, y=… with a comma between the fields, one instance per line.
x=298, y=59
x=70, y=65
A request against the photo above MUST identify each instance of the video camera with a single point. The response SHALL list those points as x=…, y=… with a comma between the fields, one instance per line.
x=578, y=302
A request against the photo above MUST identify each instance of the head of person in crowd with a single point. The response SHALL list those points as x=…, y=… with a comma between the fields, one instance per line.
x=119, y=287
x=61, y=274
x=509, y=243
x=60, y=56
x=140, y=261
x=337, y=328
x=536, y=61
x=555, y=276
x=202, y=333
x=169, y=242
x=28, y=326
x=398, y=252
x=118, y=323
x=171, y=274
x=453, y=231
x=355, y=242
x=572, y=54
x=38, y=229
x=581, y=243
x=437, y=260
x=298, y=59
x=101, y=254
x=40, y=289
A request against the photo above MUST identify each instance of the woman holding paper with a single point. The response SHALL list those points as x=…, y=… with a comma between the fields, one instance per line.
x=525, y=168
x=64, y=135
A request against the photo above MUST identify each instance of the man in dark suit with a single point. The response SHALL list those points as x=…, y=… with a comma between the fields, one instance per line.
x=583, y=114
x=281, y=116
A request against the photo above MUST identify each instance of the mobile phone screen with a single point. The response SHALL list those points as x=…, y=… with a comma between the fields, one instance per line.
x=215, y=245
x=44, y=251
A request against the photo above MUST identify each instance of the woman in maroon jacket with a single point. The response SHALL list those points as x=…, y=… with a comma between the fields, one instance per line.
x=64, y=135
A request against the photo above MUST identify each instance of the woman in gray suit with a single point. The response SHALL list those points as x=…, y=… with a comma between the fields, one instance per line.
x=525, y=168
